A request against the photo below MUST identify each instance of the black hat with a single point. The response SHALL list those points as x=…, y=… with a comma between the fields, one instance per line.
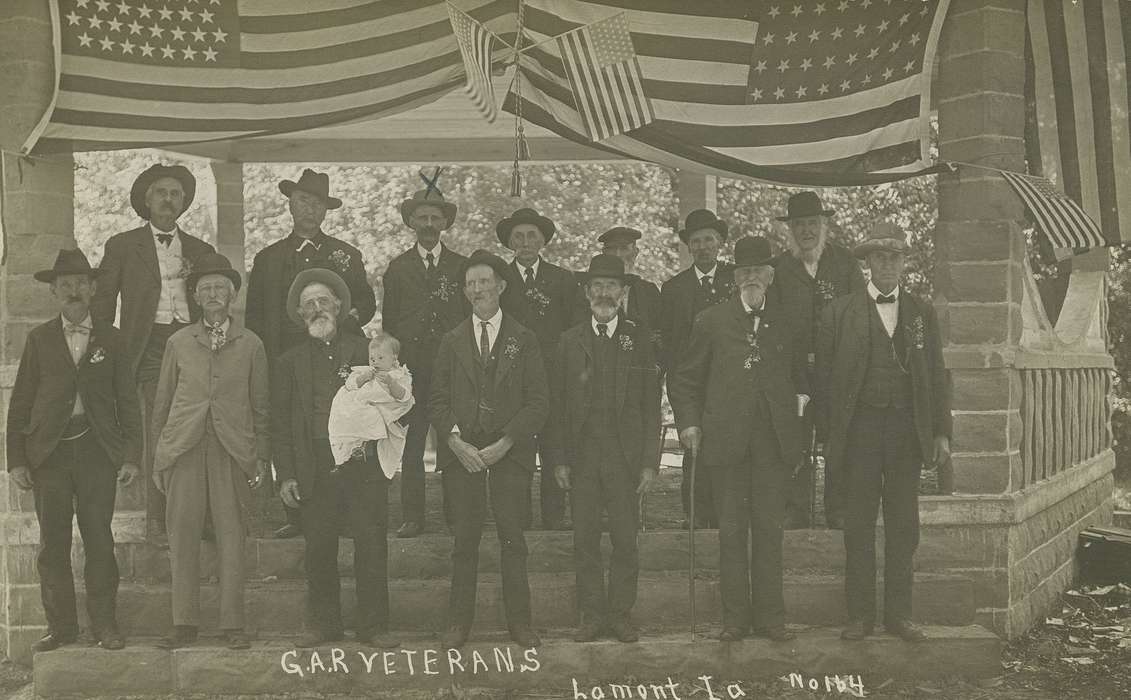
x=700, y=219
x=317, y=184
x=68, y=262
x=430, y=196
x=751, y=251
x=211, y=264
x=483, y=257
x=804, y=204
x=320, y=275
x=883, y=236
x=154, y=173
x=524, y=216
x=622, y=232
x=605, y=265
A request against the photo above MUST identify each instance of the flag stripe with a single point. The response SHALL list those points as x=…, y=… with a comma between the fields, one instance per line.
x=1047, y=136
x=1065, y=114
x=271, y=8
x=309, y=19
x=387, y=29
x=1101, y=115
x=1119, y=108
x=1082, y=103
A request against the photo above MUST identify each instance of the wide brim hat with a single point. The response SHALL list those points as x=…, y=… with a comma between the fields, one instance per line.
x=883, y=236
x=701, y=219
x=211, y=264
x=524, y=216
x=68, y=262
x=433, y=197
x=321, y=275
x=804, y=204
x=311, y=182
x=154, y=173
x=752, y=251
x=605, y=265
x=619, y=232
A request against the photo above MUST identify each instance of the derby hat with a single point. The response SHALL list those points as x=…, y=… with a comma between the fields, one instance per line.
x=701, y=219
x=431, y=196
x=804, y=204
x=68, y=262
x=154, y=173
x=605, y=265
x=311, y=182
x=524, y=216
x=483, y=257
x=752, y=251
x=619, y=233
x=883, y=236
x=318, y=275
x=211, y=264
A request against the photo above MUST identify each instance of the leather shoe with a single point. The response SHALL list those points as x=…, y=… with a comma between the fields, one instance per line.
x=624, y=631
x=314, y=638
x=525, y=637
x=409, y=528
x=287, y=532
x=379, y=639
x=182, y=636
x=111, y=640
x=777, y=633
x=236, y=639
x=454, y=638
x=589, y=631
x=856, y=630
x=732, y=634
x=53, y=641
x=906, y=630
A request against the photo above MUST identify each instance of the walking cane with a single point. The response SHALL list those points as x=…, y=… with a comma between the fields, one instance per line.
x=691, y=544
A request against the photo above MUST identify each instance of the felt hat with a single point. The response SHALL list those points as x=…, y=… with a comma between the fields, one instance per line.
x=431, y=196
x=883, y=236
x=605, y=265
x=154, y=173
x=524, y=216
x=804, y=204
x=752, y=251
x=619, y=233
x=483, y=257
x=311, y=182
x=317, y=274
x=68, y=262
x=700, y=219
x=211, y=264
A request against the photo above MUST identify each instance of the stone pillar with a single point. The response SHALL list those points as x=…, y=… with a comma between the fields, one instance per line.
x=229, y=219
x=694, y=191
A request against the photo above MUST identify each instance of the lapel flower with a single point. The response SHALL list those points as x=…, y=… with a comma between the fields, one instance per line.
x=755, y=354
x=97, y=355
x=826, y=290
x=344, y=371
x=186, y=268
x=340, y=259
x=512, y=348
x=538, y=299
x=720, y=291
x=918, y=333
x=625, y=342
x=445, y=288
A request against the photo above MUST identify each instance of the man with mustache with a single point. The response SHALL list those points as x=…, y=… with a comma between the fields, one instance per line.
x=489, y=400
x=146, y=268
x=276, y=266
x=422, y=301
x=306, y=379
x=737, y=398
x=641, y=301
x=604, y=443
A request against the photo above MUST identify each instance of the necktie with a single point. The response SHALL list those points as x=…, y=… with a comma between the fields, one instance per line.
x=217, y=335
x=165, y=238
x=754, y=314
x=602, y=330
x=484, y=341
x=76, y=328
x=529, y=275
x=430, y=262
x=706, y=281
x=885, y=298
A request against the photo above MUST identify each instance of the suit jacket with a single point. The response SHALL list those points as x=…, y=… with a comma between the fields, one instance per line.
x=805, y=297
x=408, y=304
x=842, y=362
x=47, y=382
x=677, y=310
x=548, y=308
x=637, y=395
x=129, y=269
x=643, y=307
x=715, y=389
x=272, y=273
x=228, y=387
x=521, y=393
x=292, y=408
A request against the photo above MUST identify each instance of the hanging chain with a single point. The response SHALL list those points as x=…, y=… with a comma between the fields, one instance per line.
x=521, y=150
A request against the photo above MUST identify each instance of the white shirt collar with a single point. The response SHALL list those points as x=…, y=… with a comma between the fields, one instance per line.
x=158, y=232
x=748, y=309
x=423, y=252
x=533, y=268
x=495, y=322
x=700, y=275
x=874, y=292
x=611, y=324
x=85, y=323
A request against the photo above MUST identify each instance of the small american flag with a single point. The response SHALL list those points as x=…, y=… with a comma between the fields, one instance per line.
x=475, y=48
x=605, y=77
x=1061, y=220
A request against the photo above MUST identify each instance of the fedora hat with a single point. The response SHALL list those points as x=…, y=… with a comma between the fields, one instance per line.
x=804, y=204
x=524, y=216
x=320, y=275
x=883, y=236
x=605, y=265
x=619, y=233
x=311, y=182
x=154, y=173
x=68, y=262
x=483, y=257
x=432, y=196
x=751, y=251
x=211, y=264
x=700, y=219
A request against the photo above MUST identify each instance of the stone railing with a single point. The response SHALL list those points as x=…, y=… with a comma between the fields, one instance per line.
x=1065, y=419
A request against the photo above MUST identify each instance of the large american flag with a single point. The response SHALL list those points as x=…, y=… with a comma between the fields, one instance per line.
x=812, y=92
x=156, y=72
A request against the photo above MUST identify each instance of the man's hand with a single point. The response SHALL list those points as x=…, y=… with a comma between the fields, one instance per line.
x=647, y=477
x=289, y=493
x=466, y=453
x=127, y=473
x=942, y=450
x=496, y=450
x=262, y=469
x=21, y=477
x=561, y=475
x=161, y=480
x=691, y=437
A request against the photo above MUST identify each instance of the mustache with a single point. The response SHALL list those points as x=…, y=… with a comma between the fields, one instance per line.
x=428, y=230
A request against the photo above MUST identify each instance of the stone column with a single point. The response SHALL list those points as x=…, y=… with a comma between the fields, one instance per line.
x=229, y=219
x=694, y=191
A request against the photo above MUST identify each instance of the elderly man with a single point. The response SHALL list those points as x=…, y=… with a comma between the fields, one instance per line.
x=489, y=400
x=641, y=301
x=808, y=277
x=422, y=301
x=306, y=379
x=73, y=430
x=707, y=282
x=212, y=416
x=605, y=444
x=736, y=399
x=883, y=410
x=540, y=296
x=276, y=266
x=146, y=267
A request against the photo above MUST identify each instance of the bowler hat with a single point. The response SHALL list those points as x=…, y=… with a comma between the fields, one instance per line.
x=804, y=204
x=605, y=265
x=524, y=216
x=700, y=219
x=67, y=262
x=430, y=196
x=883, y=236
x=211, y=264
x=483, y=257
x=311, y=182
x=154, y=173
x=320, y=275
x=619, y=233
x=751, y=251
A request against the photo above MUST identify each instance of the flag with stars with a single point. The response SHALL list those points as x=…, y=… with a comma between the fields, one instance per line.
x=158, y=72
x=475, y=48
x=806, y=92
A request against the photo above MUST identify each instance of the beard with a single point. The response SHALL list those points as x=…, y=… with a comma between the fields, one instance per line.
x=321, y=326
x=603, y=306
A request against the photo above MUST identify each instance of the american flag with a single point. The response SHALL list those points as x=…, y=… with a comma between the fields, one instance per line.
x=1062, y=221
x=808, y=92
x=153, y=72
x=475, y=47
x=605, y=78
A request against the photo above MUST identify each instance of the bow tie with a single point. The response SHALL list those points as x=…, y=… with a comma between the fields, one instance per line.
x=885, y=298
x=76, y=328
x=218, y=336
x=165, y=238
x=754, y=313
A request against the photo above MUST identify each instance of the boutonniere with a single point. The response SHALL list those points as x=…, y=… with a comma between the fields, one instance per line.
x=721, y=291
x=512, y=348
x=826, y=290
x=538, y=299
x=97, y=355
x=445, y=288
x=626, y=342
x=186, y=268
x=918, y=333
x=755, y=354
x=340, y=259
x=344, y=371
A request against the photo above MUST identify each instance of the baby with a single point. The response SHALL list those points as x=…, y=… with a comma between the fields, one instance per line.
x=368, y=406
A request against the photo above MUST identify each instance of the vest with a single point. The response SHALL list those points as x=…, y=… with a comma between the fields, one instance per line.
x=601, y=420
x=487, y=419
x=324, y=364
x=886, y=382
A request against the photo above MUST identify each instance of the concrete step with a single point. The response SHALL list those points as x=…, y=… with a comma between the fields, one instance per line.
x=491, y=662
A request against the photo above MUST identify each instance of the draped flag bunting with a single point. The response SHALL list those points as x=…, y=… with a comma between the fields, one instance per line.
x=1061, y=220
x=475, y=48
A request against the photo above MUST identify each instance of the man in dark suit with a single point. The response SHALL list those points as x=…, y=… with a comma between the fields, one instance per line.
x=422, y=301
x=604, y=444
x=540, y=296
x=306, y=379
x=276, y=266
x=883, y=410
x=74, y=432
x=808, y=278
x=707, y=282
x=146, y=267
x=489, y=400
x=641, y=302
x=736, y=398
